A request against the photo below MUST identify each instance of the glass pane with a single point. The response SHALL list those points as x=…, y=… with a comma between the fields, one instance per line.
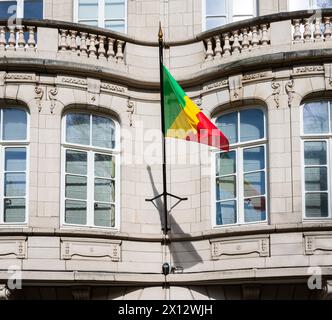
x=33, y=9
x=316, y=205
x=298, y=5
x=76, y=162
x=315, y=118
x=14, y=210
x=88, y=9
x=226, y=188
x=115, y=25
x=15, y=124
x=216, y=8
x=241, y=7
x=15, y=184
x=104, y=190
x=226, y=212
x=7, y=9
x=316, y=179
x=103, y=132
x=92, y=23
x=322, y=4
x=315, y=153
x=214, y=22
x=75, y=212
x=253, y=159
x=251, y=124
x=78, y=128
x=240, y=18
x=228, y=126
x=254, y=209
x=104, y=166
x=15, y=159
x=254, y=184
x=225, y=163
x=104, y=215
x=76, y=187
x=114, y=9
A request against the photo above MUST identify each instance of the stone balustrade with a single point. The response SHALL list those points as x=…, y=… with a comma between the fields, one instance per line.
x=18, y=38
x=237, y=41
x=91, y=46
x=312, y=29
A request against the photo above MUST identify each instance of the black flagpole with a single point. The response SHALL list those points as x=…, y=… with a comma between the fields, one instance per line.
x=162, y=104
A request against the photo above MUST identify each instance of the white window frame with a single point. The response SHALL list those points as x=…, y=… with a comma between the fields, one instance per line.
x=309, y=2
x=14, y=144
x=229, y=13
x=327, y=137
x=20, y=8
x=238, y=148
x=90, y=150
x=101, y=14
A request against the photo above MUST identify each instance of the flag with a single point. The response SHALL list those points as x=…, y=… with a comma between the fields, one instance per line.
x=184, y=120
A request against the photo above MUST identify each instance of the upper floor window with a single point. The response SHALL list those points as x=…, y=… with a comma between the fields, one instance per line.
x=90, y=170
x=109, y=14
x=220, y=12
x=14, y=168
x=240, y=174
x=294, y=5
x=316, y=144
x=27, y=9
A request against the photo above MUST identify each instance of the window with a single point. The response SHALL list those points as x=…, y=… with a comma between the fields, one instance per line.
x=109, y=14
x=317, y=134
x=240, y=174
x=308, y=4
x=90, y=170
x=14, y=168
x=27, y=9
x=221, y=12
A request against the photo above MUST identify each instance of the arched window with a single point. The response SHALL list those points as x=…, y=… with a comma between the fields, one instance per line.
x=240, y=174
x=14, y=168
x=317, y=134
x=90, y=170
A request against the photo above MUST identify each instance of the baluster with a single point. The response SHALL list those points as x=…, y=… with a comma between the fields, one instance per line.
x=83, y=45
x=63, y=40
x=119, y=51
x=297, y=31
x=307, y=31
x=265, y=35
x=92, y=48
x=73, y=41
x=20, y=40
x=245, y=41
x=101, y=49
x=254, y=40
x=327, y=30
x=31, y=40
x=318, y=31
x=110, y=50
x=236, y=44
x=3, y=41
x=227, y=47
x=12, y=38
x=218, y=49
x=209, y=50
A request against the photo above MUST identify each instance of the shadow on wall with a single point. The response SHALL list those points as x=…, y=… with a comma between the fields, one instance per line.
x=183, y=254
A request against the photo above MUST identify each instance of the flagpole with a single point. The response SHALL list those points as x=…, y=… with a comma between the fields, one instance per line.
x=161, y=72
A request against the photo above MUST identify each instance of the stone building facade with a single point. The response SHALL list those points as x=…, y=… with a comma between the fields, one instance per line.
x=74, y=223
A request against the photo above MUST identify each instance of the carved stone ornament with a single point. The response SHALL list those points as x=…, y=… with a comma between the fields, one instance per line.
x=4, y=292
x=289, y=87
x=131, y=111
x=52, y=96
x=38, y=97
x=235, y=87
x=276, y=87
